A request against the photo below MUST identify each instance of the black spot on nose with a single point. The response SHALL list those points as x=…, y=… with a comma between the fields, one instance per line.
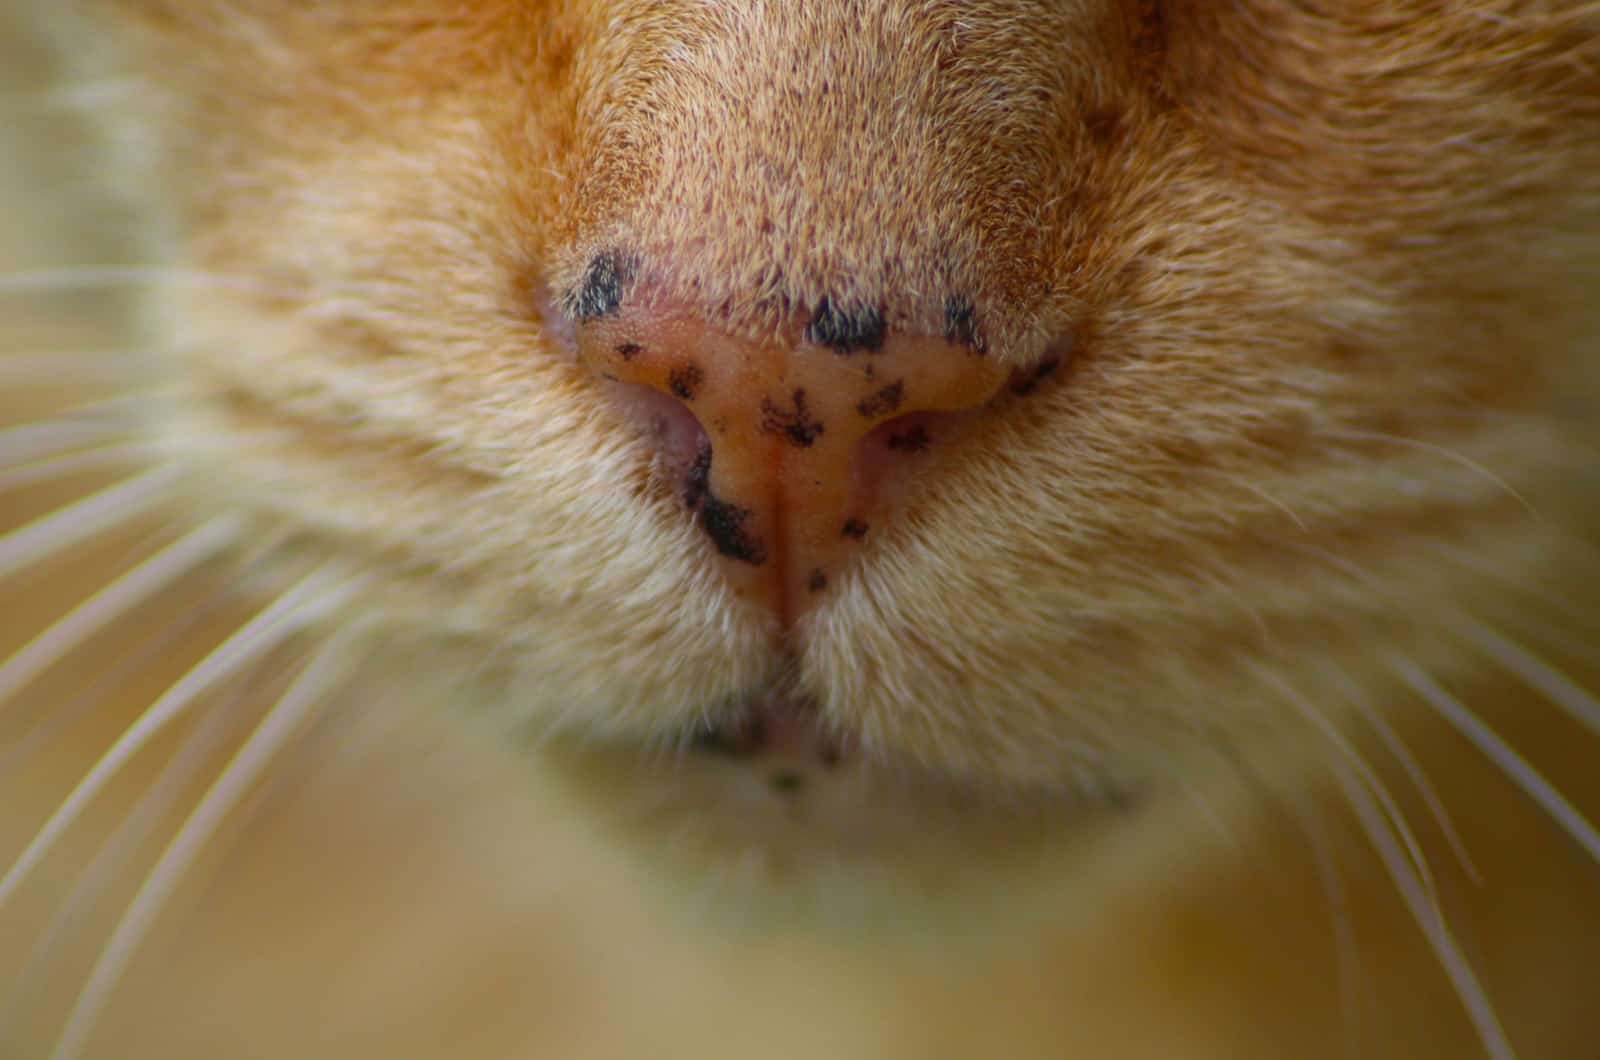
x=795, y=424
x=883, y=402
x=724, y=525
x=846, y=329
x=854, y=529
x=722, y=522
x=604, y=282
x=698, y=482
x=685, y=381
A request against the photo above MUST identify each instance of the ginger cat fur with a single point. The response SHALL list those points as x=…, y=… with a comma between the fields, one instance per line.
x=1227, y=688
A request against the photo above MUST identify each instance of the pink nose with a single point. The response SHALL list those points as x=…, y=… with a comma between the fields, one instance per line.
x=796, y=446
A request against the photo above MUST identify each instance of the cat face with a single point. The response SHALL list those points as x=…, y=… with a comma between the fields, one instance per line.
x=1276, y=315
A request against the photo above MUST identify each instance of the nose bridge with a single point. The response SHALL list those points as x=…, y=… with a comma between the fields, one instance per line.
x=783, y=486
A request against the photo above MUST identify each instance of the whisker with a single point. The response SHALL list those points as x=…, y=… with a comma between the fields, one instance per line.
x=124, y=399
x=78, y=95
x=1369, y=776
x=1552, y=683
x=1438, y=450
x=96, y=513
x=102, y=458
x=1544, y=602
x=60, y=717
x=1502, y=754
x=1480, y=1010
x=115, y=600
x=276, y=729
x=198, y=747
x=1242, y=483
x=303, y=603
x=1347, y=948
x=51, y=369
x=103, y=418
x=79, y=278
x=1213, y=818
x=1412, y=768
x=34, y=441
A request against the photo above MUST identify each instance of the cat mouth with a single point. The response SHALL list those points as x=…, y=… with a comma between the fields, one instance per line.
x=778, y=729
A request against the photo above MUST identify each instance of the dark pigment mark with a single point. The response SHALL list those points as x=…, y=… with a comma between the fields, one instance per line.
x=629, y=350
x=600, y=293
x=1026, y=383
x=846, y=330
x=915, y=440
x=698, y=482
x=855, y=529
x=818, y=581
x=797, y=426
x=723, y=523
x=685, y=381
x=884, y=401
x=959, y=325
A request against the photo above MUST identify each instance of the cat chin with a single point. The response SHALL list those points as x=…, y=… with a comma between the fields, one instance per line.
x=807, y=829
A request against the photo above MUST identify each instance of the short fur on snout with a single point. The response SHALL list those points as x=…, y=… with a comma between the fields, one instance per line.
x=1224, y=691
x=1298, y=255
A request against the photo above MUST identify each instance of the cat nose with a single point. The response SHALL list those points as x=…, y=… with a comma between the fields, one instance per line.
x=793, y=450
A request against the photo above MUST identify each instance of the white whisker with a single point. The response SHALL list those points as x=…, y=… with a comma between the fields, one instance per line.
x=75, y=96
x=124, y=400
x=53, y=369
x=1552, y=683
x=1347, y=949
x=279, y=725
x=102, y=458
x=113, y=601
x=1240, y=482
x=1429, y=918
x=61, y=716
x=309, y=598
x=1352, y=756
x=34, y=441
x=1532, y=620
x=93, y=514
x=1438, y=450
x=198, y=747
x=1502, y=754
x=1412, y=769
x=1202, y=805
x=101, y=277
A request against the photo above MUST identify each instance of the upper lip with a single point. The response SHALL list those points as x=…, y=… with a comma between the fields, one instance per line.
x=774, y=723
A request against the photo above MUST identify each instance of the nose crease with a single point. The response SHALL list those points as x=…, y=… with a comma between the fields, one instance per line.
x=800, y=436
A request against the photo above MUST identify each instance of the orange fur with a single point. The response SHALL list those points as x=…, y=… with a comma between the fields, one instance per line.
x=1327, y=271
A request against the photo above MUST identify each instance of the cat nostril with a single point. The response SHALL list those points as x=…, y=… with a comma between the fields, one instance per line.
x=680, y=440
x=793, y=451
